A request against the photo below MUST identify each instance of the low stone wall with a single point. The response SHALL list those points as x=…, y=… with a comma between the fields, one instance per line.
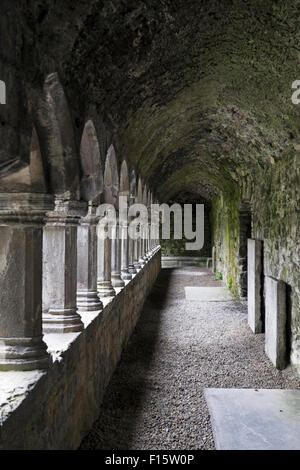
x=55, y=409
x=179, y=261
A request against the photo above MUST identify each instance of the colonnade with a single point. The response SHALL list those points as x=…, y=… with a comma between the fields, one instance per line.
x=57, y=267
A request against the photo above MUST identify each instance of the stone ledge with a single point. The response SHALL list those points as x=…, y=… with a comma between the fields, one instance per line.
x=54, y=409
x=179, y=261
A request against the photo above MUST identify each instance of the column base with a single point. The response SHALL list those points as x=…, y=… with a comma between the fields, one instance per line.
x=62, y=321
x=137, y=266
x=125, y=275
x=105, y=289
x=88, y=301
x=117, y=281
x=22, y=354
x=132, y=269
x=142, y=262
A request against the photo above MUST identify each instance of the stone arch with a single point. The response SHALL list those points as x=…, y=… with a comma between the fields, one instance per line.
x=90, y=159
x=31, y=178
x=111, y=178
x=55, y=129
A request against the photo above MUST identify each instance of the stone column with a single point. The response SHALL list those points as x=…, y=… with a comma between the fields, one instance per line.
x=131, y=256
x=87, y=245
x=254, y=282
x=148, y=240
x=21, y=238
x=142, y=260
x=275, y=337
x=125, y=274
x=116, y=279
x=213, y=259
x=146, y=236
x=155, y=224
x=136, y=262
x=136, y=251
x=104, y=285
x=60, y=268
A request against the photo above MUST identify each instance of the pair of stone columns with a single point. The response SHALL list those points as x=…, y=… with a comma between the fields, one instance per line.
x=70, y=266
x=64, y=239
x=113, y=258
x=27, y=255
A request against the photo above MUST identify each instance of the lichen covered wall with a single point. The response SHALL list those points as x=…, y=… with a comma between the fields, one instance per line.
x=274, y=198
x=276, y=221
x=226, y=226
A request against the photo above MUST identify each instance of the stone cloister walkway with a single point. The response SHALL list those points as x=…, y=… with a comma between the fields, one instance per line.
x=155, y=399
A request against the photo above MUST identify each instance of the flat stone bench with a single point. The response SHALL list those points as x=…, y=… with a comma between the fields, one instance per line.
x=179, y=261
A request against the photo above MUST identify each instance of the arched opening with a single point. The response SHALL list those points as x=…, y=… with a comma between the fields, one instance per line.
x=92, y=177
x=32, y=177
x=55, y=128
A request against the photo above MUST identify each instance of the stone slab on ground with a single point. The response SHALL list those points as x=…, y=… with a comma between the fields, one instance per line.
x=188, y=273
x=181, y=261
x=208, y=294
x=275, y=318
x=250, y=419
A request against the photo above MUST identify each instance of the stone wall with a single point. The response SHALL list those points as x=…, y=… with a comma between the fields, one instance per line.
x=226, y=232
x=276, y=221
x=54, y=409
x=273, y=197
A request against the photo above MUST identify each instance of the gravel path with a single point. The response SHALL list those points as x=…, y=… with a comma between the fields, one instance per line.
x=155, y=398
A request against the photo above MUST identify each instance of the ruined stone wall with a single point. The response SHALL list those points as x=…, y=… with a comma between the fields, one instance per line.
x=226, y=227
x=276, y=221
x=274, y=197
x=54, y=410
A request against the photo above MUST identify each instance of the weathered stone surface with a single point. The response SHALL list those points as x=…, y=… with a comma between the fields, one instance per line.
x=208, y=294
x=21, y=220
x=90, y=158
x=176, y=261
x=213, y=259
x=60, y=268
x=125, y=274
x=104, y=285
x=59, y=407
x=275, y=339
x=87, y=295
x=255, y=285
x=116, y=278
x=247, y=419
